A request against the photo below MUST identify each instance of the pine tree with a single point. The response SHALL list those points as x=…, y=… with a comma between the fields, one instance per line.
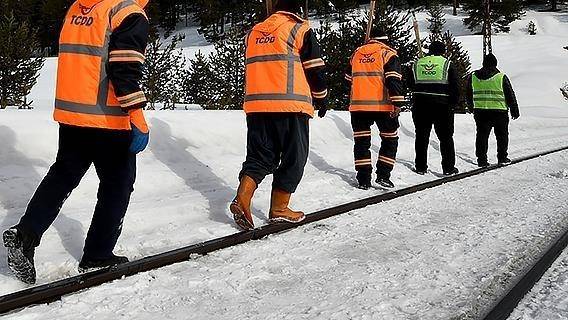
x=436, y=19
x=228, y=66
x=337, y=46
x=503, y=12
x=400, y=32
x=199, y=83
x=19, y=63
x=531, y=28
x=461, y=62
x=163, y=70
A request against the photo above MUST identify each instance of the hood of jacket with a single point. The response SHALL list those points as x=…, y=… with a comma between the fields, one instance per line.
x=486, y=73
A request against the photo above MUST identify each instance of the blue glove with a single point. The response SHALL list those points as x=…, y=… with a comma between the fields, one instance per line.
x=139, y=140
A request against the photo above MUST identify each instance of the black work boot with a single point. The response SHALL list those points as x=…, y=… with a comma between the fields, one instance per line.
x=504, y=161
x=482, y=163
x=20, y=247
x=88, y=264
x=451, y=172
x=385, y=183
x=364, y=179
x=420, y=171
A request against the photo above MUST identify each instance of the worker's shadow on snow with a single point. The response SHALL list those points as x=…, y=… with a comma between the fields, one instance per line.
x=436, y=145
x=172, y=151
x=17, y=185
x=347, y=131
x=322, y=165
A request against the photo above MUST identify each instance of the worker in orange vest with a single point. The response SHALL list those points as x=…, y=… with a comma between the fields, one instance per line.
x=376, y=97
x=98, y=106
x=285, y=77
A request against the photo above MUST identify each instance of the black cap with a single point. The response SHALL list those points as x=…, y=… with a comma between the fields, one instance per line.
x=490, y=61
x=379, y=33
x=293, y=6
x=437, y=48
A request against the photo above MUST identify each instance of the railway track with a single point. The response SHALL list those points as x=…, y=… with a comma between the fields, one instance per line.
x=53, y=291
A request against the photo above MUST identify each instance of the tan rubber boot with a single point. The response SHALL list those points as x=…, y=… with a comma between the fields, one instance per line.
x=279, y=211
x=240, y=207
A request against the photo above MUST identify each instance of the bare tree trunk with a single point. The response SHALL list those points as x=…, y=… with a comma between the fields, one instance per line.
x=456, y=4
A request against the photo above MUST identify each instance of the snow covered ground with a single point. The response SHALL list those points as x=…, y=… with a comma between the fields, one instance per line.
x=188, y=176
x=549, y=298
x=445, y=253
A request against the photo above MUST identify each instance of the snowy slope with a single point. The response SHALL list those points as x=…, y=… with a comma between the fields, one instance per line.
x=549, y=298
x=445, y=253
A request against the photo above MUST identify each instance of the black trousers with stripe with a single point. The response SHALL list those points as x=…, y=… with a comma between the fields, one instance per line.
x=388, y=127
x=277, y=143
x=79, y=148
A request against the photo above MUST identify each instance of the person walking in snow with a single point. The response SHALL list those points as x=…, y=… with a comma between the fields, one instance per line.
x=490, y=97
x=435, y=87
x=285, y=77
x=99, y=109
x=376, y=97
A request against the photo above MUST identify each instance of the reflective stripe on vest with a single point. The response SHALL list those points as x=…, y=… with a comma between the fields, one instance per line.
x=432, y=70
x=368, y=91
x=489, y=94
x=270, y=86
x=84, y=95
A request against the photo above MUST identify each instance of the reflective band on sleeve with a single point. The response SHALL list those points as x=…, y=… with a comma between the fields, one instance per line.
x=126, y=56
x=132, y=99
x=89, y=109
x=81, y=49
x=433, y=94
x=314, y=63
x=320, y=95
x=393, y=74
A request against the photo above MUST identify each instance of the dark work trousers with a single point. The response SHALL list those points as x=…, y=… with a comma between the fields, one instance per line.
x=277, y=143
x=442, y=119
x=116, y=169
x=485, y=121
x=388, y=127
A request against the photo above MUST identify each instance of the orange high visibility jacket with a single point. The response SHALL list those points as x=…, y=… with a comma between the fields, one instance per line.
x=369, y=91
x=84, y=95
x=275, y=78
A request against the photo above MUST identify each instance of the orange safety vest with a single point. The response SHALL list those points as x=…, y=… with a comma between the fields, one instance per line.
x=368, y=91
x=275, y=78
x=84, y=95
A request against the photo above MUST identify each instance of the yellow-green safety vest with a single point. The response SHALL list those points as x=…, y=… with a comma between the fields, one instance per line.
x=489, y=94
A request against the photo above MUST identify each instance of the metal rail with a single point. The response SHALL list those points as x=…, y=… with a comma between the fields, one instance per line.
x=55, y=290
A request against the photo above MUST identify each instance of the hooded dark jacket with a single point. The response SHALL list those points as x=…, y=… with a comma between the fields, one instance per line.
x=486, y=73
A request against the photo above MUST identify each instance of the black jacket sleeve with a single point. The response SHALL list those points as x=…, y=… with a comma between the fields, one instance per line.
x=126, y=56
x=393, y=81
x=454, y=86
x=469, y=94
x=510, y=97
x=315, y=69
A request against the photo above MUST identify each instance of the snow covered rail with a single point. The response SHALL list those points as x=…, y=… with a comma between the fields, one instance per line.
x=55, y=290
x=503, y=309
